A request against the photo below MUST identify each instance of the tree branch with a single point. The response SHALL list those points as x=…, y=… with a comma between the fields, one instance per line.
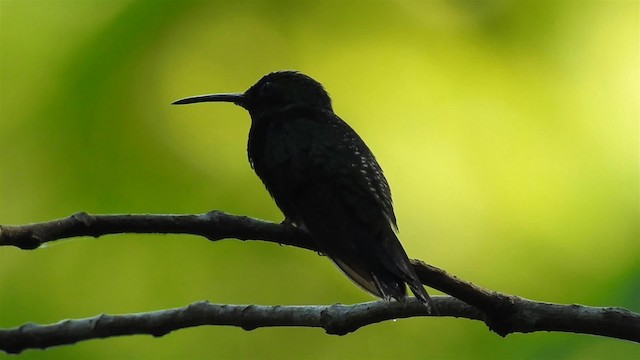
x=334, y=319
x=503, y=314
x=214, y=225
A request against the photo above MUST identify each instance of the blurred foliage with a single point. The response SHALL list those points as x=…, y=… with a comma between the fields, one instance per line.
x=507, y=129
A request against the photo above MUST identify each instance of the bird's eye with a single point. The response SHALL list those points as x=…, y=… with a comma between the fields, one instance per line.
x=267, y=89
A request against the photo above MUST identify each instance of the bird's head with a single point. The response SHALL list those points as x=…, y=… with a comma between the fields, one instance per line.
x=275, y=91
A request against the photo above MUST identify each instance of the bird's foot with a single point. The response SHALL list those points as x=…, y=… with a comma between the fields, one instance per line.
x=288, y=222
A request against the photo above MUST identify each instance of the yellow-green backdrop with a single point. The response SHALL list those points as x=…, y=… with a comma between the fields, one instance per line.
x=508, y=131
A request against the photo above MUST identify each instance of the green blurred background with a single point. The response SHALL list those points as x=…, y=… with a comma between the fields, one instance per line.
x=507, y=129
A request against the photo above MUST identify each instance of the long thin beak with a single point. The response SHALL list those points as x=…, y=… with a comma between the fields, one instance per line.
x=235, y=98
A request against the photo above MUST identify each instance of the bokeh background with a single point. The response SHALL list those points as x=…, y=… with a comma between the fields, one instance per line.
x=507, y=129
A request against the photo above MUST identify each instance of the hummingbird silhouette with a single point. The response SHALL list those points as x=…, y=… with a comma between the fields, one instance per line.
x=325, y=180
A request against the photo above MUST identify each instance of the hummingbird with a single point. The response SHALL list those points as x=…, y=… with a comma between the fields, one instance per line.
x=325, y=180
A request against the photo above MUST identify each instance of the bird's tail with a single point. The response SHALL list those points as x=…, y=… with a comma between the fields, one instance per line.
x=397, y=264
x=387, y=274
x=373, y=284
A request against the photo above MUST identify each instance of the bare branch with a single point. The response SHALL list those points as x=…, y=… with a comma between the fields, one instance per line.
x=503, y=314
x=214, y=225
x=334, y=319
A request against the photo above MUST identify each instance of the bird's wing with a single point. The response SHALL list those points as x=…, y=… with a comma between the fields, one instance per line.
x=339, y=152
x=306, y=146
